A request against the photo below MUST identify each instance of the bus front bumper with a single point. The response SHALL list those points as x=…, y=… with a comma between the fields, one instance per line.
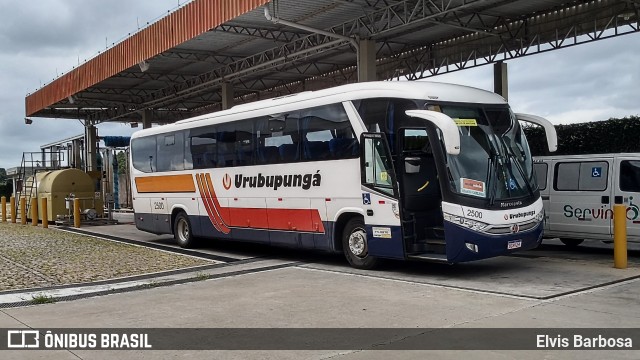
x=466, y=245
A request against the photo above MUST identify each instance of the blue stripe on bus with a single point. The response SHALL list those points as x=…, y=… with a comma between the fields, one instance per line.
x=384, y=246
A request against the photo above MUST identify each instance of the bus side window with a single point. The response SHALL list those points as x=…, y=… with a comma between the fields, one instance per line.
x=373, y=113
x=203, y=147
x=387, y=115
x=327, y=133
x=245, y=142
x=170, y=151
x=278, y=139
x=226, y=141
x=144, y=154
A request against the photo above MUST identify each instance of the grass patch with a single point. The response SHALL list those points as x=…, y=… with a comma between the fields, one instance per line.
x=42, y=299
x=150, y=285
x=202, y=276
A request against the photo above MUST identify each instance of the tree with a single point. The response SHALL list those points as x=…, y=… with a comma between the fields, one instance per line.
x=122, y=162
x=6, y=185
x=598, y=137
x=3, y=176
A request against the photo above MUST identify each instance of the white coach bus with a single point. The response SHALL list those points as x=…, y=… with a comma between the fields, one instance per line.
x=401, y=170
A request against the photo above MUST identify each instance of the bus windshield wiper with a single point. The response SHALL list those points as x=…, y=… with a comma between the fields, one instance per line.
x=511, y=155
x=493, y=173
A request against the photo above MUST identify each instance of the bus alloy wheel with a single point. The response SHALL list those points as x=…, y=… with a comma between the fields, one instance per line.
x=358, y=243
x=182, y=231
x=354, y=245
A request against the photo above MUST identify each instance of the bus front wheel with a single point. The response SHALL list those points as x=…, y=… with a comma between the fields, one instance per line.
x=182, y=231
x=354, y=245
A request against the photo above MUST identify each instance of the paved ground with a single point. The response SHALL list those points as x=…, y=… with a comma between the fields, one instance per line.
x=263, y=287
x=32, y=257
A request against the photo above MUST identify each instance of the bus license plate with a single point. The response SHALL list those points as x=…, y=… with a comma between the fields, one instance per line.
x=514, y=244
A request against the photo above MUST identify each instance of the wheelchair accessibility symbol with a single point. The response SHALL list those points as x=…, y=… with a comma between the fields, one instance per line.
x=366, y=198
x=596, y=172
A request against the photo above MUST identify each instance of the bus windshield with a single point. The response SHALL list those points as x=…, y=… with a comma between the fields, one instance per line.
x=495, y=162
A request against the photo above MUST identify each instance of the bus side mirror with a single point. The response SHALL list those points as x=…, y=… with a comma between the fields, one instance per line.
x=450, y=134
x=549, y=129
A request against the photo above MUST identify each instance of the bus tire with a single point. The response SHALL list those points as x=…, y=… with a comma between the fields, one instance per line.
x=572, y=242
x=354, y=245
x=182, y=230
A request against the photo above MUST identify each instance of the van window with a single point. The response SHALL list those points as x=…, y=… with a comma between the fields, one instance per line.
x=630, y=175
x=541, y=174
x=582, y=176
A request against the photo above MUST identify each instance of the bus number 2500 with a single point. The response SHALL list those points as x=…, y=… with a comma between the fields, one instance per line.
x=474, y=214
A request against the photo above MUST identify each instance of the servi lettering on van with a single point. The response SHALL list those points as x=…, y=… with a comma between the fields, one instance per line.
x=602, y=213
x=305, y=181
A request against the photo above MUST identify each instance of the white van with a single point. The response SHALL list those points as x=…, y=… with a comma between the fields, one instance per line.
x=579, y=192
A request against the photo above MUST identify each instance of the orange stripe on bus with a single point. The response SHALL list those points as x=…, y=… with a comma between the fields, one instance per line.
x=206, y=201
x=216, y=205
x=165, y=184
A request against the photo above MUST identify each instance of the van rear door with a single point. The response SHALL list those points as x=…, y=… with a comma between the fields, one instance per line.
x=580, y=203
x=627, y=192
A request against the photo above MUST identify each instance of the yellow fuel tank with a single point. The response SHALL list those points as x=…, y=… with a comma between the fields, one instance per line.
x=58, y=185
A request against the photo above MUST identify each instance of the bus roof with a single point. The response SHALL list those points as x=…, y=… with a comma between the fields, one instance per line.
x=374, y=89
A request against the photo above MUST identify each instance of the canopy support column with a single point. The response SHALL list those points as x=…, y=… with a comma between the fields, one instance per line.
x=227, y=96
x=500, y=79
x=147, y=117
x=367, y=61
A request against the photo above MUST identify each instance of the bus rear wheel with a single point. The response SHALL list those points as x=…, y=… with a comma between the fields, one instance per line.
x=354, y=245
x=572, y=242
x=182, y=231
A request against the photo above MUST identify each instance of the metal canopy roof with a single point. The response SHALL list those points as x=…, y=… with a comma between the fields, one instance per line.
x=176, y=66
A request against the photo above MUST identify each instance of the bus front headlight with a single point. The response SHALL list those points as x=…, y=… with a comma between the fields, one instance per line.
x=464, y=222
x=539, y=216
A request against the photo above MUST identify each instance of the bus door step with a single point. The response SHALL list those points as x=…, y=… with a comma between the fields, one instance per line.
x=436, y=232
x=429, y=245
x=441, y=258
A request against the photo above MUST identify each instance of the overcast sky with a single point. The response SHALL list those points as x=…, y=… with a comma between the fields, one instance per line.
x=41, y=39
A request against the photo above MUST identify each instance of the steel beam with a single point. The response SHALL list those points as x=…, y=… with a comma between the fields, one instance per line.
x=483, y=39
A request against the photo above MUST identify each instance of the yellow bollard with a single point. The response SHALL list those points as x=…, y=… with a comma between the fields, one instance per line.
x=34, y=211
x=4, y=208
x=12, y=204
x=23, y=211
x=45, y=213
x=76, y=213
x=620, y=236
